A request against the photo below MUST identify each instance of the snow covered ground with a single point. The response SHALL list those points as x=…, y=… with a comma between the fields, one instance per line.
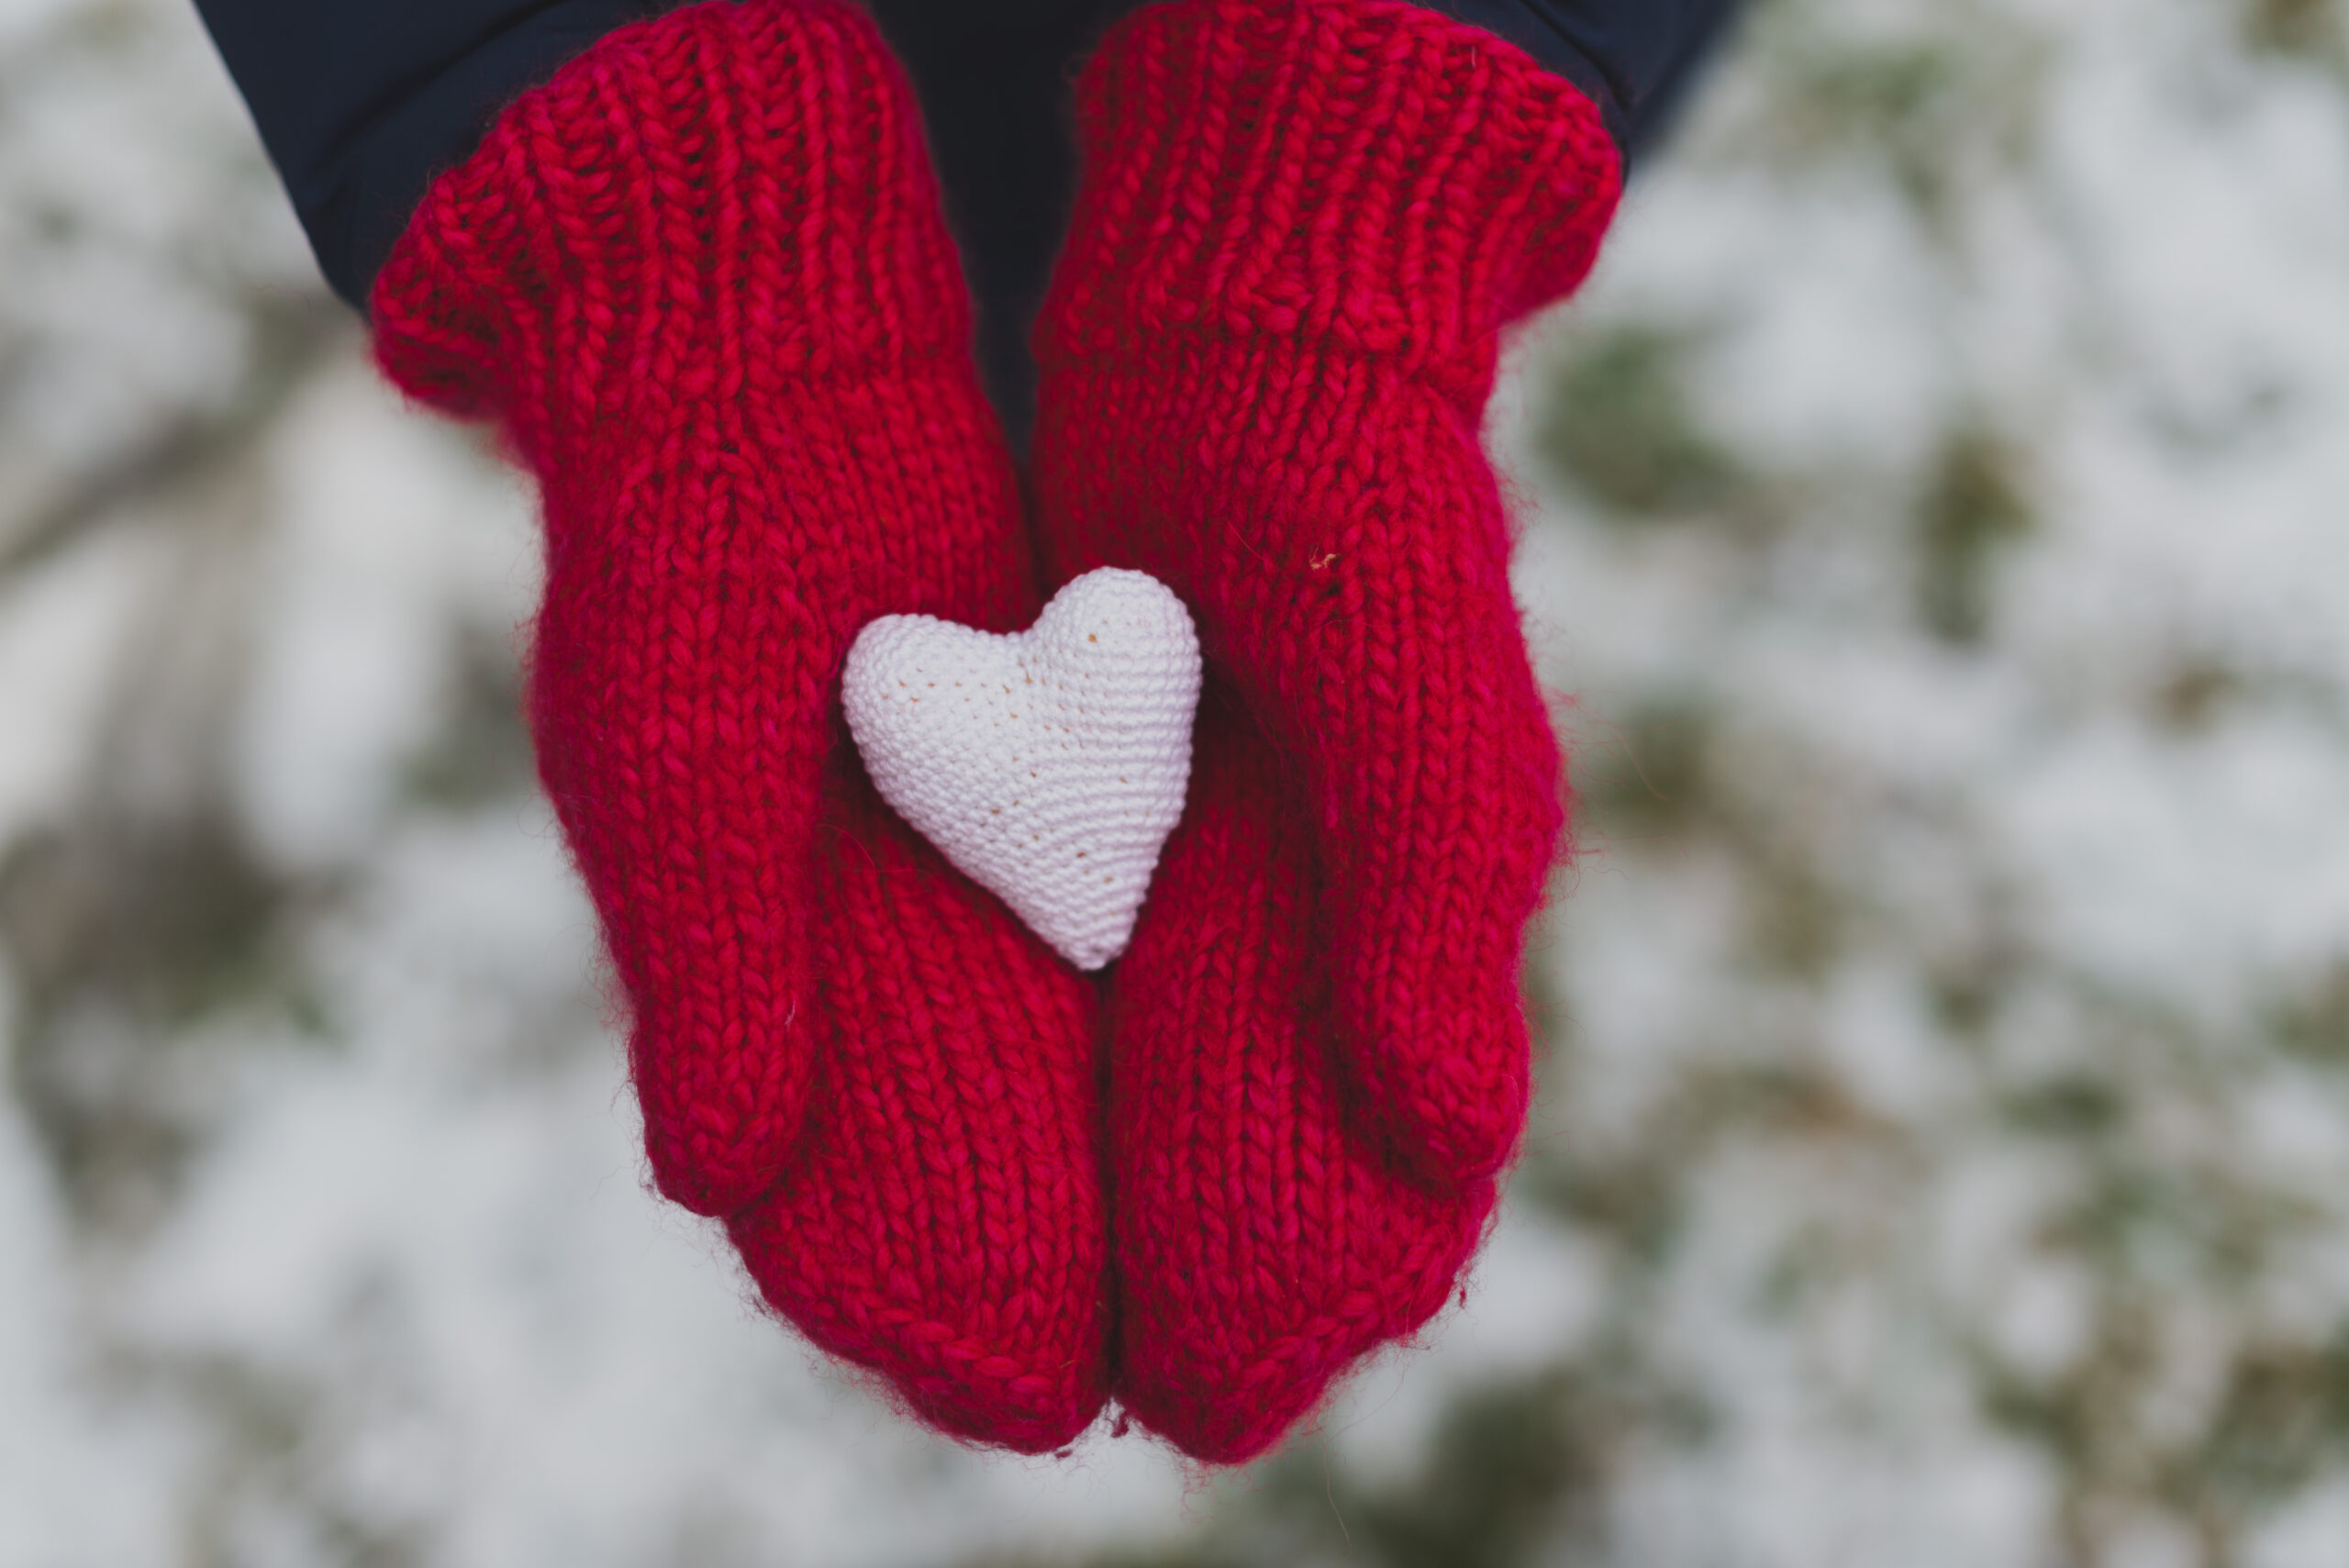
x=1938, y=510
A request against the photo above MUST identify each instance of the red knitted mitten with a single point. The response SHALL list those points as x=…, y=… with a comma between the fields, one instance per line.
x=701, y=281
x=1301, y=228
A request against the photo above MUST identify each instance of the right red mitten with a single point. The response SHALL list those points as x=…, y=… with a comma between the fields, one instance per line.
x=702, y=282
x=1301, y=228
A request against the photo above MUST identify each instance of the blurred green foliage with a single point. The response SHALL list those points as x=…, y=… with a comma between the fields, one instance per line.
x=1514, y=1477
x=1973, y=503
x=1618, y=425
x=2309, y=30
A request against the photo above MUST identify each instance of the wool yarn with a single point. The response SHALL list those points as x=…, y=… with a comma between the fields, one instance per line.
x=701, y=282
x=1300, y=229
x=1049, y=765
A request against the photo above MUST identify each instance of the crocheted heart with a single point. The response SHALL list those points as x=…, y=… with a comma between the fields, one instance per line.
x=1049, y=765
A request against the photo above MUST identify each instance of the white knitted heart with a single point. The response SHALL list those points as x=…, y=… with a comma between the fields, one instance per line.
x=1049, y=765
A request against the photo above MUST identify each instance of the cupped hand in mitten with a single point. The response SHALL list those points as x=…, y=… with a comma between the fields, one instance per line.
x=1300, y=228
x=701, y=281
x=703, y=284
x=1300, y=231
x=1342, y=542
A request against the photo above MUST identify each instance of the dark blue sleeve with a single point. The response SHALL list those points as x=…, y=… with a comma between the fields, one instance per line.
x=361, y=102
x=1634, y=58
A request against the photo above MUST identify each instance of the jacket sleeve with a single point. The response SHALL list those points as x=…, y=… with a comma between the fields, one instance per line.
x=1632, y=58
x=361, y=101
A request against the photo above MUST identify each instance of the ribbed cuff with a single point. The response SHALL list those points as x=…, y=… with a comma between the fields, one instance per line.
x=1361, y=174
x=751, y=173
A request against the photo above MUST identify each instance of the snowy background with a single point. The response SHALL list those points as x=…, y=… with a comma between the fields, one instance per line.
x=1939, y=510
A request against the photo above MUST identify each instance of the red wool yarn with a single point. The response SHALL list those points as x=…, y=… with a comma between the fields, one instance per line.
x=701, y=282
x=1301, y=227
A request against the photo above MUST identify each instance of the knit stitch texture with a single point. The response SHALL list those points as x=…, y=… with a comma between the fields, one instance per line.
x=1301, y=228
x=701, y=282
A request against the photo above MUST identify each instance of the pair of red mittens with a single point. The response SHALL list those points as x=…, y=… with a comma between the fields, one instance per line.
x=701, y=281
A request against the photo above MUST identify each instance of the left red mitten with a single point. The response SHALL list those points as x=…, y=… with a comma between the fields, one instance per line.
x=701, y=281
